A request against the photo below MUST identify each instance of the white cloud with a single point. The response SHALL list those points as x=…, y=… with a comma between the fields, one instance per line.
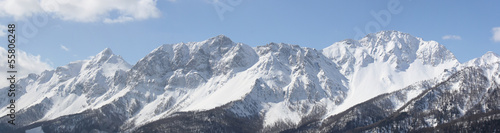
x=19, y=8
x=109, y=11
x=120, y=19
x=496, y=34
x=3, y=30
x=64, y=48
x=452, y=37
x=25, y=64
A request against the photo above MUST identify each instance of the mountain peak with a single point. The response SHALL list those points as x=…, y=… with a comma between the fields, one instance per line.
x=488, y=58
x=490, y=54
x=491, y=57
x=106, y=51
x=388, y=33
x=220, y=38
x=103, y=55
x=391, y=32
x=107, y=56
x=280, y=45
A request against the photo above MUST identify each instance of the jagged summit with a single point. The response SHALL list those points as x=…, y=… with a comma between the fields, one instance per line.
x=103, y=55
x=380, y=38
x=490, y=54
x=221, y=38
x=386, y=61
x=106, y=51
x=217, y=41
x=488, y=58
x=396, y=47
x=388, y=33
x=69, y=89
x=281, y=48
x=384, y=37
x=214, y=42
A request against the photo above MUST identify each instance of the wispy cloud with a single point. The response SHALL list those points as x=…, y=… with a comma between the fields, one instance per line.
x=108, y=11
x=3, y=30
x=64, y=48
x=452, y=37
x=28, y=63
x=496, y=34
x=120, y=19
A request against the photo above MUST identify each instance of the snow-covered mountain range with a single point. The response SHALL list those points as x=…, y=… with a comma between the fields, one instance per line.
x=386, y=81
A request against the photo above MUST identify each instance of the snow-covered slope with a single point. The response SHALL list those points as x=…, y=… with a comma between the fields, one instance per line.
x=189, y=76
x=293, y=83
x=274, y=87
x=486, y=59
x=470, y=91
x=278, y=78
x=67, y=90
x=459, y=99
x=489, y=63
x=387, y=61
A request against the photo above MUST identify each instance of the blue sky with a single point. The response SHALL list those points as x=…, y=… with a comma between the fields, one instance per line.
x=60, y=35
